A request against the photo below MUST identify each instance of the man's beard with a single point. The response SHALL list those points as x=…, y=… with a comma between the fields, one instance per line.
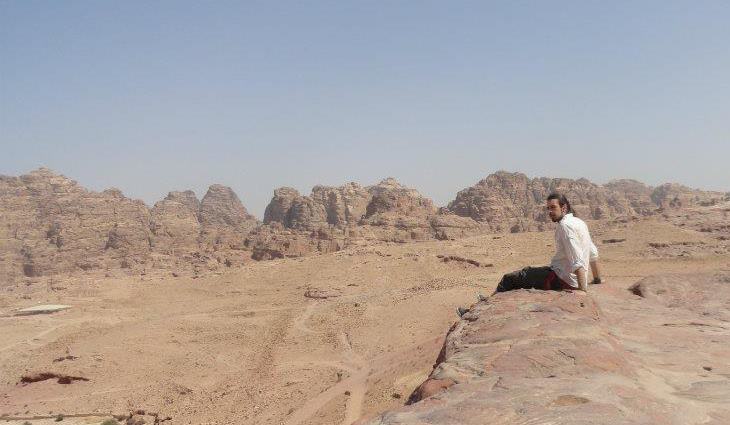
x=555, y=220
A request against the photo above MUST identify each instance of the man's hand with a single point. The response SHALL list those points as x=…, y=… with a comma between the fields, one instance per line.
x=582, y=279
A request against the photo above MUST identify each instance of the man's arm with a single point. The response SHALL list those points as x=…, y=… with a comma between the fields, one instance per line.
x=573, y=248
x=580, y=272
x=596, y=270
x=595, y=266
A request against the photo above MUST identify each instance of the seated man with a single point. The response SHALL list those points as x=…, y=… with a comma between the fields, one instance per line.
x=574, y=251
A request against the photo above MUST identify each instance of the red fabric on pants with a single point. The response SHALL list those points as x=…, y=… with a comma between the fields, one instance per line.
x=555, y=283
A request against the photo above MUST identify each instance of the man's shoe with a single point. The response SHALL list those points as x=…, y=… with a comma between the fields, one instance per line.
x=596, y=281
x=481, y=297
x=461, y=311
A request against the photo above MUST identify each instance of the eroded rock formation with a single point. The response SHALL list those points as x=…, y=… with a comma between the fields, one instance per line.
x=174, y=223
x=52, y=225
x=506, y=201
x=224, y=221
x=331, y=218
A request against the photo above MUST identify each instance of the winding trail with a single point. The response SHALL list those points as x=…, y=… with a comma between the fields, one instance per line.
x=360, y=372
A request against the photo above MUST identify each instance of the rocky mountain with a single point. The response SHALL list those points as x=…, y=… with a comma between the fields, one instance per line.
x=174, y=223
x=224, y=221
x=506, y=201
x=50, y=224
x=347, y=205
x=331, y=218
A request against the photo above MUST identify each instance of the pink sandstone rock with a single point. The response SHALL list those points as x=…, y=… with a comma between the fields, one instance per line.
x=532, y=357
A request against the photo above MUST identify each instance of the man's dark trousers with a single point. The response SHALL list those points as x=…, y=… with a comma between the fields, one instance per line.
x=532, y=278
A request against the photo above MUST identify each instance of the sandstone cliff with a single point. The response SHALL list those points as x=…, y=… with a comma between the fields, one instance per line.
x=174, y=223
x=513, y=202
x=50, y=224
x=331, y=218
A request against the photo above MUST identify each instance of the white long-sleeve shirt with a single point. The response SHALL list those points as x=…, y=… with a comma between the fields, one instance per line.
x=573, y=249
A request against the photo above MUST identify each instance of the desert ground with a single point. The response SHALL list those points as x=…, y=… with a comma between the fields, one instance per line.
x=331, y=338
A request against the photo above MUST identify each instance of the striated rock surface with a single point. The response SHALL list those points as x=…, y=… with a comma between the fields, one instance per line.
x=706, y=295
x=531, y=356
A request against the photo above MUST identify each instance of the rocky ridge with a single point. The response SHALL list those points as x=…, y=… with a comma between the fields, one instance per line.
x=331, y=218
x=506, y=201
x=50, y=224
x=530, y=356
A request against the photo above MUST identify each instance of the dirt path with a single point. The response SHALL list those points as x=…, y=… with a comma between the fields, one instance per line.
x=30, y=341
x=300, y=322
x=359, y=386
x=355, y=384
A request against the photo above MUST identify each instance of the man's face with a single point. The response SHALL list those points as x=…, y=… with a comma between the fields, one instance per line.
x=555, y=211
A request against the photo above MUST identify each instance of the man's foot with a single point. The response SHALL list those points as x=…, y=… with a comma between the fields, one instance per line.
x=481, y=297
x=596, y=281
x=461, y=311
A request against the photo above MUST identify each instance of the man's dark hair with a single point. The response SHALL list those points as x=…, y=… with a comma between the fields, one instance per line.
x=562, y=201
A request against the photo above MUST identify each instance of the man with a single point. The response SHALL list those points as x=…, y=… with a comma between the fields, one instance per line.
x=573, y=245
x=574, y=252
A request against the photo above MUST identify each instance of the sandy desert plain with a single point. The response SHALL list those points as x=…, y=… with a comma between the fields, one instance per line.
x=331, y=338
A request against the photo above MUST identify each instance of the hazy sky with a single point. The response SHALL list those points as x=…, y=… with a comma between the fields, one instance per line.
x=168, y=95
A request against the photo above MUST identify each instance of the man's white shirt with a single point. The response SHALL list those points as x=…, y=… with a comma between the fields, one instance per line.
x=573, y=249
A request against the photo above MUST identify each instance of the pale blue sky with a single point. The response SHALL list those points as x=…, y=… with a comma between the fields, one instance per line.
x=168, y=95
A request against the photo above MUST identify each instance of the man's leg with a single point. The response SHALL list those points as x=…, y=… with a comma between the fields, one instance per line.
x=527, y=278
